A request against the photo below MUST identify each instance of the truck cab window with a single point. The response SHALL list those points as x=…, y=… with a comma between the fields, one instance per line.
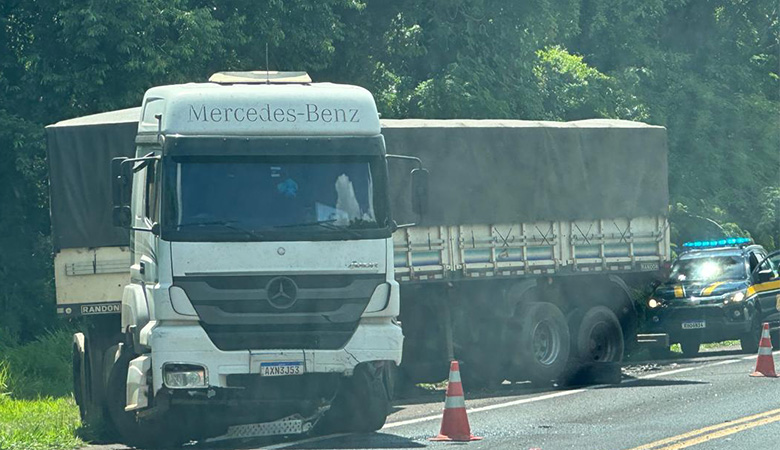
x=151, y=194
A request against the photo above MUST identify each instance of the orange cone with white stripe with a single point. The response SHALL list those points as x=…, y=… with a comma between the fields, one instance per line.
x=765, y=365
x=454, y=422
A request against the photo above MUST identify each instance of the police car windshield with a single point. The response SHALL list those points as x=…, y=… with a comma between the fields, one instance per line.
x=707, y=268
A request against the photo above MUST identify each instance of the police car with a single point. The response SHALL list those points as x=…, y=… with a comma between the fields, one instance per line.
x=717, y=290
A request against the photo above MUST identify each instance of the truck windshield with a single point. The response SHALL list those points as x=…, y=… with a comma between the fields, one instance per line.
x=254, y=197
x=709, y=268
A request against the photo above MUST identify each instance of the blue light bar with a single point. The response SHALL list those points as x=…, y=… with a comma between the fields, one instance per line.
x=719, y=243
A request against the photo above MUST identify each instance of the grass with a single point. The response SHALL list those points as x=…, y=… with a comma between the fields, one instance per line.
x=719, y=344
x=37, y=410
x=44, y=423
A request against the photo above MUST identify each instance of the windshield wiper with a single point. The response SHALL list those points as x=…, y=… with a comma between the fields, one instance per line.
x=327, y=224
x=226, y=224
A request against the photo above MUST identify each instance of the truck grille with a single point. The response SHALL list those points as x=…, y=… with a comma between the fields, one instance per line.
x=238, y=312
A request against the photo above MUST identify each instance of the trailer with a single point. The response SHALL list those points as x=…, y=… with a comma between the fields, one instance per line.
x=538, y=239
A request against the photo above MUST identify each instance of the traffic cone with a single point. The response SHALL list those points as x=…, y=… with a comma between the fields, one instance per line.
x=765, y=365
x=454, y=422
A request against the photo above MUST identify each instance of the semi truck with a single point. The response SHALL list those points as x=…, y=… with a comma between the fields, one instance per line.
x=228, y=245
x=271, y=264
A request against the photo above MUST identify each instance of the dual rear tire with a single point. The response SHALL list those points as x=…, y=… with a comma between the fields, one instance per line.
x=554, y=348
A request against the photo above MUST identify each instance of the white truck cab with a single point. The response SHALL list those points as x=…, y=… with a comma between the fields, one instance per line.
x=261, y=282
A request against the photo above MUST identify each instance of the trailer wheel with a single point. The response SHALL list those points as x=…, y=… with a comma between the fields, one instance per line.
x=543, y=342
x=598, y=336
x=147, y=434
x=92, y=409
x=361, y=405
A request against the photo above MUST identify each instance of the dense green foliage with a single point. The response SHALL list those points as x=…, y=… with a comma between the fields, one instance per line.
x=41, y=367
x=706, y=69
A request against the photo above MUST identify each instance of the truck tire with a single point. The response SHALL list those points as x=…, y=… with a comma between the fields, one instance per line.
x=361, y=405
x=750, y=340
x=690, y=346
x=147, y=434
x=542, y=342
x=597, y=336
x=92, y=409
x=597, y=347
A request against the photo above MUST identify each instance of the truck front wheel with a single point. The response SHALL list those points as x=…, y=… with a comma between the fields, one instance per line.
x=146, y=434
x=362, y=403
x=542, y=342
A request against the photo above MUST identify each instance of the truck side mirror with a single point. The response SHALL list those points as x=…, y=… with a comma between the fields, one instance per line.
x=121, y=177
x=420, y=192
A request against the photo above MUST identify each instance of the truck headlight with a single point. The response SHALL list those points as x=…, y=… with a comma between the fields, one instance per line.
x=184, y=376
x=653, y=303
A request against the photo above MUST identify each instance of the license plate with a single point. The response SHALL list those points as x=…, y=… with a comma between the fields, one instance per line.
x=278, y=369
x=694, y=324
x=648, y=266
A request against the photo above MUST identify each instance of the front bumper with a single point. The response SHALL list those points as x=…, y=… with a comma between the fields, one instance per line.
x=722, y=322
x=376, y=339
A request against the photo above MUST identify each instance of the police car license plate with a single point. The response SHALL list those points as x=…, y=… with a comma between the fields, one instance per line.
x=694, y=324
x=278, y=369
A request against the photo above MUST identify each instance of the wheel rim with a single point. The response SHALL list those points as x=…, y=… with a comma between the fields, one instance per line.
x=601, y=343
x=546, y=343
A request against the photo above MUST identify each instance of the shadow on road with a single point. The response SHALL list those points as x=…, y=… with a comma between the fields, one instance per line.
x=350, y=441
x=356, y=441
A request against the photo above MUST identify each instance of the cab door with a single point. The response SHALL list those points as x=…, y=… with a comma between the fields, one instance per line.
x=766, y=286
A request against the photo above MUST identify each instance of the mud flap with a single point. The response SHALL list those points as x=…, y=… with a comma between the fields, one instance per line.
x=137, y=386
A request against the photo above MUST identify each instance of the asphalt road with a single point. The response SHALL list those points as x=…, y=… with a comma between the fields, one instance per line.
x=707, y=403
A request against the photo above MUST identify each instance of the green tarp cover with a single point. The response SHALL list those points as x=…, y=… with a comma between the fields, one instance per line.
x=508, y=171
x=80, y=152
x=481, y=171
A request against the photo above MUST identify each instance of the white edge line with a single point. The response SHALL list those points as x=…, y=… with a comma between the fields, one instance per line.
x=513, y=402
x=487, y=408
x=563, y=393
x=686, y=369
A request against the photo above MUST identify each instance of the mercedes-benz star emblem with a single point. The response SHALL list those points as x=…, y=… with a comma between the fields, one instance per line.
x=282, y=292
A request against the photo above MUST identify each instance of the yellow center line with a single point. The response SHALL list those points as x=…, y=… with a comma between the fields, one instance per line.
x=722, y=433
x=710, y=429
